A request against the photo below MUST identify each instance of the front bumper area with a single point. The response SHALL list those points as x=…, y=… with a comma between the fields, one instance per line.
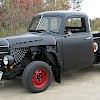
x=1, y=74
x=1, y=82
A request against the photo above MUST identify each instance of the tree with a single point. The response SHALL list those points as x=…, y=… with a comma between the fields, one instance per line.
x=95, y=24
x=76, y=4
x=16, y=14
x=58, y=4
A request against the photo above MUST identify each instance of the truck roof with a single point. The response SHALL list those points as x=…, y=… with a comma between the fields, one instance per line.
x=63, y=13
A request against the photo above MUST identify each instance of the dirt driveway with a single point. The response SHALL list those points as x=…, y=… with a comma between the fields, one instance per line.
x=83, y=84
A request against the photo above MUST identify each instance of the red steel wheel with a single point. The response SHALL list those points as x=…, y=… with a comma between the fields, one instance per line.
x=37, y=76
x=40, y=78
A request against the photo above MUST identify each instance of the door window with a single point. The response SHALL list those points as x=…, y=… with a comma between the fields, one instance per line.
x=75, y=25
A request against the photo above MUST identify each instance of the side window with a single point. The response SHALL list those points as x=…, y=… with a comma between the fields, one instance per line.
x=74, y=22
x=75, y=25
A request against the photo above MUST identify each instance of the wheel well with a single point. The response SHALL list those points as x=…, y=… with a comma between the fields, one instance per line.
x=42, y=54
x=50, y=58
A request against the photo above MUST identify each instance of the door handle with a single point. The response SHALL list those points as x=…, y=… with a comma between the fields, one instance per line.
x=88, y=38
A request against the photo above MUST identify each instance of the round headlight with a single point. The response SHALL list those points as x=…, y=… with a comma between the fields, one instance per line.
x=5, y=60
x=8, y=60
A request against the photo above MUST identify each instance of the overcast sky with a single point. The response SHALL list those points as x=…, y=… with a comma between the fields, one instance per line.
x=92, y=8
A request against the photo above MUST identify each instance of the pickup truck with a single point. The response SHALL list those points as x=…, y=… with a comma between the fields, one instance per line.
x=56, y=42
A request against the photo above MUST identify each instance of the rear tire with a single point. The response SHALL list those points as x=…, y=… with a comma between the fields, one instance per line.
x=37, y=76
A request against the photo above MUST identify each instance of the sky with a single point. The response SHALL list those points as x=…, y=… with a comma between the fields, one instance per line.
x=91, y=8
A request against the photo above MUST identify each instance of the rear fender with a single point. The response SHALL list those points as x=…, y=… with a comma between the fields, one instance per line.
x=97, y=54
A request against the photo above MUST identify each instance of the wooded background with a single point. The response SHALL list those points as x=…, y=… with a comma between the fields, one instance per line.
x=15, y=15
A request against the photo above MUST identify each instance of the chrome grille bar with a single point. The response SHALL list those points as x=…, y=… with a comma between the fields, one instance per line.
x=3, y=49
x=4, y=46
x=3, y=52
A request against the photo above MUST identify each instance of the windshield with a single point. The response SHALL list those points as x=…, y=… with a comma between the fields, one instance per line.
x=46, y=23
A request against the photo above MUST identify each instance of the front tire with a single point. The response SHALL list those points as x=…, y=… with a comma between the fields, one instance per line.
x=37, y=76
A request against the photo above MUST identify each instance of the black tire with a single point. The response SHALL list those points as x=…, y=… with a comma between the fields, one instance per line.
x=31, y=71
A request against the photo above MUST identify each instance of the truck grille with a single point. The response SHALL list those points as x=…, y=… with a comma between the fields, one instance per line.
x=18, y=54
x=4, y=45
x=0, y=61
x=3, y=52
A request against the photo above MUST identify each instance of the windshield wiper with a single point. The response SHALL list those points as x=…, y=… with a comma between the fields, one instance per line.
x=34, y=31
x=53, y=31
x=43, y=30
x=39, y=31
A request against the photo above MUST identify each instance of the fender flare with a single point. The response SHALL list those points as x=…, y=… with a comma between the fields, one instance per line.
x=54, y=59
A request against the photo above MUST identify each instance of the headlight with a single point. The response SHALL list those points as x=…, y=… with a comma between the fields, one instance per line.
x=5, y=60
x=8, y=60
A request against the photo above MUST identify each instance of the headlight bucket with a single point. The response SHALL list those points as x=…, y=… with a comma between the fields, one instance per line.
x=8, y=60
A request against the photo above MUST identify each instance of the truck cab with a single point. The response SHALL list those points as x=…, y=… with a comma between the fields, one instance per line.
x=73, y=38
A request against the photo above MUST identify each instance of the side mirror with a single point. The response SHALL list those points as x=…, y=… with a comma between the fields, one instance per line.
x=69, y=33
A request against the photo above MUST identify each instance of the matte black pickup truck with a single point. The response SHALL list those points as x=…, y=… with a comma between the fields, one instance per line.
x=56, y=42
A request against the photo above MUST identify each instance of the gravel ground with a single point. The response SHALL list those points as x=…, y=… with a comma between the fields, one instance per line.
x=82, y=84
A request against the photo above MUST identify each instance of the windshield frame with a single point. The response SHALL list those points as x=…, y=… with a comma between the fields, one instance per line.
x=41, y=17
x=39, y=22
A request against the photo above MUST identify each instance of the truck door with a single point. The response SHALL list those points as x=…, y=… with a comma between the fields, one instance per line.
x=77, y=45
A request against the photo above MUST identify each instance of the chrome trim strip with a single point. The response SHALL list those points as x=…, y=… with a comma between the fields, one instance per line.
x=88, y=38
x=0, y=59
x=3, y=52
x=96, y=37
x=4, y=46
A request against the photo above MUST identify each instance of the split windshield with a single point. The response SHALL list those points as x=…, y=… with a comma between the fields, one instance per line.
x=50, y=24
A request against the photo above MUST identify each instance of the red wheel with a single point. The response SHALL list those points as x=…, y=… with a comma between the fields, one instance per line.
x=40, y=78
x=37, y=76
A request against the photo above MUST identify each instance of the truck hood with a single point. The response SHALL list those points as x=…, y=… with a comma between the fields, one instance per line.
x=29, y=39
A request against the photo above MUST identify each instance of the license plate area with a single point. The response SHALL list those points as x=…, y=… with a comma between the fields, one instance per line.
x=1, y=73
